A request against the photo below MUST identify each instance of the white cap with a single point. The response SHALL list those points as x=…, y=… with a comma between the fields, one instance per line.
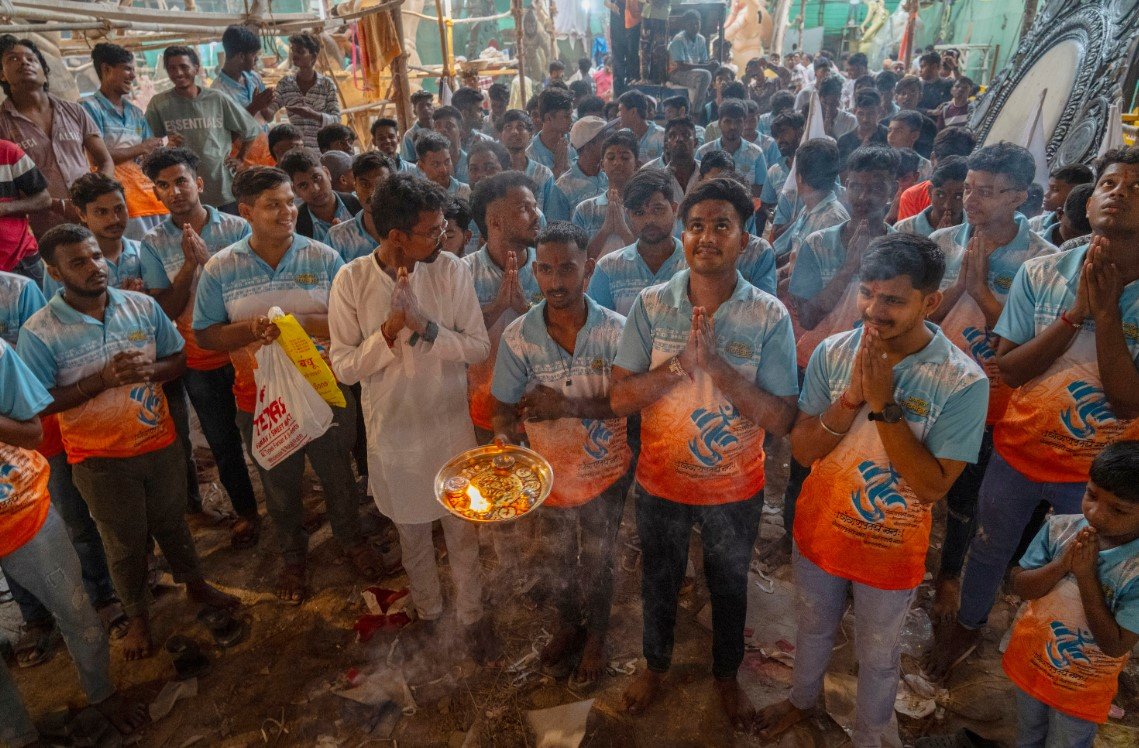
x=585, y=130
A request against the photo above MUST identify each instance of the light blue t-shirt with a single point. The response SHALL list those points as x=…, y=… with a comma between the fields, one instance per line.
x=407, y=144
x=20, y=298
x=576, y=187
x=537, y=151
x=829, y=212
x=22, y=395
x=1004, y=262
x=241, y=91
x=916, y=224
x=161, y=252
x=692, y=51
x=129, y=265
x=777, y=174
x=590, y=215
x=756, y=264
x=749, y=159
x=350, y=239
x=621, y=276
x=943, y=393
x=550, y=199
x=651, y=144
x=820, y=257
x=320, y=228
x=126, y=128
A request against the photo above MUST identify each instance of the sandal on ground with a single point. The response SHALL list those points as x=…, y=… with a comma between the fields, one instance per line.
x=366, y=561
x=226, y=629
x=37, y=644
x=189, y=661
x=292, y=585
x=114, y=618
x=245, y=532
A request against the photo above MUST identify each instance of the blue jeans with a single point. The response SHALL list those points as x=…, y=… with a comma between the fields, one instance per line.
x=48, y=567
x=1004, y=506
x=211, y=394
x=820, y=601
x=84, y=536
x=1040, y=726
x=727, y=534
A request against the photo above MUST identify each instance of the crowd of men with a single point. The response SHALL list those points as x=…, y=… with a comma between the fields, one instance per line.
x=646, y=305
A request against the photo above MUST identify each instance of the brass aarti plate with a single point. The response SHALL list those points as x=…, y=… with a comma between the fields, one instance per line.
x=496, y=483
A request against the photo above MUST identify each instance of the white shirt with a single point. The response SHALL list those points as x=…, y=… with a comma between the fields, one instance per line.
x=414, y=397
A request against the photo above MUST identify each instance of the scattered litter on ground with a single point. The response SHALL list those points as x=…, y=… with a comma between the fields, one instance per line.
x=560, y=726
x=170, y=694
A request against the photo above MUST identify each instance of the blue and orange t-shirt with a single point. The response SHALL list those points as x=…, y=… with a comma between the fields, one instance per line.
x=162, y=259
x=20, y=298
x=1052, y=654
x=856, y=518
x=696, y=447
x=1055, y=424
x=237, y=285
x=964, y=324
x=487, y=277
x=588, y=455
x=24, y=499
x=62, y=345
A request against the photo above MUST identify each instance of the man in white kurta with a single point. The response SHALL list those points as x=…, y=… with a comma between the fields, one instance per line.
x=405, y=324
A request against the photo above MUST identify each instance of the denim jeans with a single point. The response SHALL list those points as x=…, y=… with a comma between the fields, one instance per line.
x=48, y=567
x=576, y=547
x=330, y=459
x=85, y=538
x=961, y=510
x=727, y=533
x=211, y=394
x=820, y=601
x=1040, y=726
x=1004, y=507
x=133, y=499
x=175, y=392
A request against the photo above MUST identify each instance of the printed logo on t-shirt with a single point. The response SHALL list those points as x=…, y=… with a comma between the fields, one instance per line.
x=1003, y=283
x=305, y=280
x=7, y=487
x=715, y=434
x=1131, y=331
x=979, y=346
x=881, y=492
x=1067, y=647
x=1091, y=411
x=137, y=336
x=597, y=438
x=150, y=404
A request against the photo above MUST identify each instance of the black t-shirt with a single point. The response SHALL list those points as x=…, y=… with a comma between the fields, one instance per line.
x=849, y=142
x=935, y=93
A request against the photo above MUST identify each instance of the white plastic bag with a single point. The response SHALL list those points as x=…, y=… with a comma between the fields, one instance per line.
x=288, y=413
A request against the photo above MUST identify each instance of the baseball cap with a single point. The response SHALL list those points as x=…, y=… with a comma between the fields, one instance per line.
x=585, y=130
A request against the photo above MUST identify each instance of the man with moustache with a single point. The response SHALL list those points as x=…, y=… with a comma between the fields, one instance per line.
x=405, y=323
x=707, y=360
x=891, y=412
x=1065, y=345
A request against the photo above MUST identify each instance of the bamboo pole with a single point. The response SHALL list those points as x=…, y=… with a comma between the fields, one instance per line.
x=400, y=82
x=448, y=71
x=519, y=48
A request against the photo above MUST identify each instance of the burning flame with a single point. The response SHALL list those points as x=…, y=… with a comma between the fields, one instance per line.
x=477, y=502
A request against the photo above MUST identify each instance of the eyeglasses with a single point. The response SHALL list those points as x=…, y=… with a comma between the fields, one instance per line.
x=985, y=193
x=435, y=234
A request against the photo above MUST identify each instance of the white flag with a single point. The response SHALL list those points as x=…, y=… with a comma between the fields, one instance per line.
x=1113, y=137
x=814, y=129
x=1033, y=139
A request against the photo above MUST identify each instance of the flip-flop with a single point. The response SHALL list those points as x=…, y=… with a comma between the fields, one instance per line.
x=37, y=645
x=226, y=629
x=189, y=661
x=114, y=618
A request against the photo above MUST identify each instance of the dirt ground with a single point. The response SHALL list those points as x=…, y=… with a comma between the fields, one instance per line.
x=277, y=687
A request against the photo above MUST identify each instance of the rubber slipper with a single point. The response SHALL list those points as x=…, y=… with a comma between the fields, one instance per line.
x=226, y=629
x=37, y=645
x=114, y=619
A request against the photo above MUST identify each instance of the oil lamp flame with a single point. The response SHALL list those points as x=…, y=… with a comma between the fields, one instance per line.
x=477, y=502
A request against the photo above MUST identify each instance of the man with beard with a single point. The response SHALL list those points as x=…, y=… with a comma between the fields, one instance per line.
x=787, y=130
x=553, y=374
x=405, y=323
x=101, y=352
x=708, y=361
x=1075, y=382
x=679, y=157
x=890, y=415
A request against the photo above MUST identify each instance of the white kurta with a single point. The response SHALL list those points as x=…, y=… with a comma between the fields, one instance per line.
x=414, y=397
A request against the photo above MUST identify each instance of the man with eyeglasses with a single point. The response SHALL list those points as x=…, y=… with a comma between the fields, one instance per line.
x=982, y=255
x=405, y=324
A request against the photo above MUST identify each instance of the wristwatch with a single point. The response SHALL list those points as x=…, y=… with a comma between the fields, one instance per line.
x=892, y=413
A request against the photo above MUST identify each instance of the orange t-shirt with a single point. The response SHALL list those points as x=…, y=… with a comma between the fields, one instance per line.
x=914, y=200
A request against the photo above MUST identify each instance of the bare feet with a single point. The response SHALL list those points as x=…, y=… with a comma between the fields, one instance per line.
x=736, y=705
x=292, y=585
x=951, y=646
x=776, y=719
x=565, y=642
x=946, y=600
x=137, y=644
x=593, y=659
x=204, y=593
x=126, y=716
x=642, y=692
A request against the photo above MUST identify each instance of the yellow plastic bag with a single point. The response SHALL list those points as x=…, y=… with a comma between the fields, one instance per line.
x=300, y=349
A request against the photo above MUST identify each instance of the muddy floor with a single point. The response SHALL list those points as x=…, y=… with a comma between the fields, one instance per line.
x=285, y=683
